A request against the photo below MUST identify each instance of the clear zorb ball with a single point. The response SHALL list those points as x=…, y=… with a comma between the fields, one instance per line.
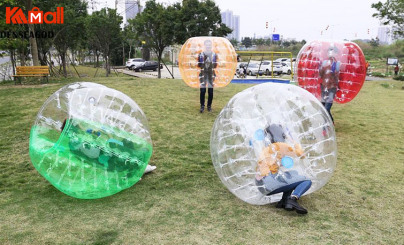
x=90, y=141
x=272, y=130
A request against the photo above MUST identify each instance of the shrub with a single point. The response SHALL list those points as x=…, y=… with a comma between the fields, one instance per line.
x=378, y=74
x=399, y=78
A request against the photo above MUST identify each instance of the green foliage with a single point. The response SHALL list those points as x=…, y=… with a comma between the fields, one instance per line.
x=70, y=33
x=198, y=18
x=67, y=36
x=104, y=31
x=399, y=78
x=385, y=85
x=155, y=26
x=45, y=44
x=391, y=13
x=378, y=74
x=234, y=42
x=370, y=51
x=16, y=46
x=374, y=42
x=247, y=42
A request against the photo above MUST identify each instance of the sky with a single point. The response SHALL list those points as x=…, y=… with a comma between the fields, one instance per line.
x=297, y=19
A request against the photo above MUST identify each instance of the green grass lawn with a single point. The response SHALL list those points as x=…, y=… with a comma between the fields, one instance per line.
x=183, y=201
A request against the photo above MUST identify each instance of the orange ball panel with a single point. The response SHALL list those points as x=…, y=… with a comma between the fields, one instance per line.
x=226, y=61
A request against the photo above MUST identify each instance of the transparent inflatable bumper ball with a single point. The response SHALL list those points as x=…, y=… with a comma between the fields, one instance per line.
x=270, y=136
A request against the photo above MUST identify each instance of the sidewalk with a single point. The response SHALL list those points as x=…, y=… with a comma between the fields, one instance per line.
x=153, y=74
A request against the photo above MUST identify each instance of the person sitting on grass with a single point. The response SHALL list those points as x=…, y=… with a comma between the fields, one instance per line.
x=273, y=176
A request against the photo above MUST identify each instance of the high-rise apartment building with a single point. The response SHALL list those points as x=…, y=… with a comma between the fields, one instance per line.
x=384, y=34
x=233, y=22
x=132, y=8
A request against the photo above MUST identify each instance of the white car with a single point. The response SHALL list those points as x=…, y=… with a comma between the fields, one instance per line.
x=132, y=63
x=267, y=66
x=285, y=60
x=252, y=69
x=286, y=69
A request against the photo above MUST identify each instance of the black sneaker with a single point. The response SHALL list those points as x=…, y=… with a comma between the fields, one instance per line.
x=292, y=204
x=202, y=109
x=209, y=109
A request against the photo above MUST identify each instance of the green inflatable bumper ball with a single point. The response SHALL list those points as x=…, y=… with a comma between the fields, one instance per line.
x=90, y=141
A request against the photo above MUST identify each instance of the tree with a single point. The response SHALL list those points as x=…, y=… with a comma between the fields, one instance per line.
x=391, y=13
x=374, y=42
x=258, y=41
x=17, y=46
x=247, y=42
x=155, y=26
x=234, y=42
x=45, y=44
x=198, y=18
x=32, y=39
x=104, y=29
x=68, y=35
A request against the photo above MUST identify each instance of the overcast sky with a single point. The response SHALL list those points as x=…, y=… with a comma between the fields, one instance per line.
x=299, y=19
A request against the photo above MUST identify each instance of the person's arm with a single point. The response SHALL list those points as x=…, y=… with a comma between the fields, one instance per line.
x=215, y=60
x=200, y=60
x=336, y=74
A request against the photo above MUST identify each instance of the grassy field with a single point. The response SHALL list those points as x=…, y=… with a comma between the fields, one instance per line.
x=183, y=201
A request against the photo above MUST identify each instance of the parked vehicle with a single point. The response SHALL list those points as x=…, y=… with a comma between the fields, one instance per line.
x=147, y=65
x=252, y=69
x=285, y=60
x=267, y=67
x=134, y=62
x=286, y=69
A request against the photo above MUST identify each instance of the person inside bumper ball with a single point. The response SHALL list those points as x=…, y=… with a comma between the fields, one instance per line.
x=273, y=175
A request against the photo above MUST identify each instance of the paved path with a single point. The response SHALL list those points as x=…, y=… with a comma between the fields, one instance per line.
x=369, y=78
x=4, y=59
x=166, y=74
x=153, y=74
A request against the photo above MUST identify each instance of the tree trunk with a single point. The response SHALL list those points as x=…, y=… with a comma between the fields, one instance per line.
x=123, y=53
x=97, y=64
x=146, y=53
x=159, y=55
x=63, y=59
x=107, y=67
x=32, y=40
x=22, y=56
x=12, y=58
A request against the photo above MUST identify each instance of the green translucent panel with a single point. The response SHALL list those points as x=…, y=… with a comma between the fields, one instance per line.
x=87, y=159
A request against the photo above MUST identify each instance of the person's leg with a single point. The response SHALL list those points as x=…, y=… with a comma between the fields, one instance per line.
x=291, y=201
x=282, y=202
x=202, y=99
x=210, y=98
x=328, y=108
x=149, y=168
x=287, y=191
x=301, y=188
